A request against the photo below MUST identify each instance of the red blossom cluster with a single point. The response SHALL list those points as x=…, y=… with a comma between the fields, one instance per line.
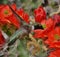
x=7, y=16
x=50, y=30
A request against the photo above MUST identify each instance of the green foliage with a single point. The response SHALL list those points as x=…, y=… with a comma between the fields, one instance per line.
x=28, y=5
x=6, y=30
x=3, y=1
x=43, y=52
x=22, y=49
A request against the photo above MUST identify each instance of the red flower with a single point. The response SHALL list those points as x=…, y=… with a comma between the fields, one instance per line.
x=54, y=38
x=1, y=6
x=23, y=15
x=48, y=26
x=55, y=53
x=5, y=11
x=4, y=20
x=38, y=33
x=14, y=6
x=7, y=16
x=56, y=18
x=39, y=14
x=14, y=20
x=2, y=40
x=55, y=45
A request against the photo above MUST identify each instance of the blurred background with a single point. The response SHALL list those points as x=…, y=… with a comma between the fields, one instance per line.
x=50, y=7
x=30, y=5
